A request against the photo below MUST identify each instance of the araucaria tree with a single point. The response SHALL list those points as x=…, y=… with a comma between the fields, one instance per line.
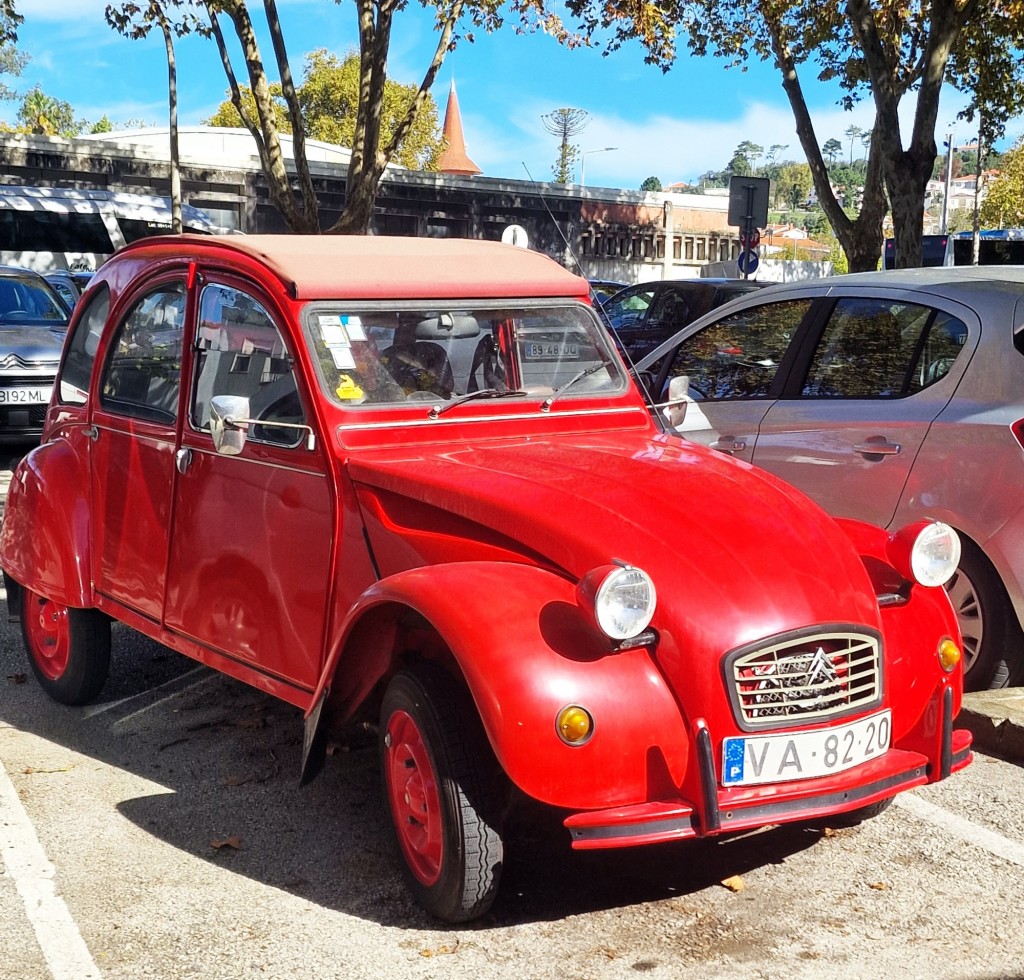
x=565, y=123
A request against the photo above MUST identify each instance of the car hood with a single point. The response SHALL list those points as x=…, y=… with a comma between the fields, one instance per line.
x=31, y=343
x=735, y=554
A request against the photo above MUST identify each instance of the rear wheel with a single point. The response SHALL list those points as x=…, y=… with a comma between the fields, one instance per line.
x=991, y=634
x=442, y=789
x=68, y=649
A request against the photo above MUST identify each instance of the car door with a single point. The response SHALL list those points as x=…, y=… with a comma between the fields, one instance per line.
x=249, y=569
x=729, y=372
x=134, y=419
x=859, y=404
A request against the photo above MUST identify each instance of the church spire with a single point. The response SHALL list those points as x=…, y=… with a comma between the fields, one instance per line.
x=454, y=159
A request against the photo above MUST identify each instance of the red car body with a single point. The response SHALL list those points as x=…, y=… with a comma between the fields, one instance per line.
x=429, y=564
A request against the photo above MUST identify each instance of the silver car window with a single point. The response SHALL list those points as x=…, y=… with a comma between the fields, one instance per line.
x=738, y=357
x=881, y=348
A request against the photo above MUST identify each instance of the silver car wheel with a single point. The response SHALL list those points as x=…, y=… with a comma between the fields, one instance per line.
x=967, y=606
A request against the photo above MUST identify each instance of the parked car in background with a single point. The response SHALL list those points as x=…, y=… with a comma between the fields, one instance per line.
x=33, y=323
x=407, y=482
x=603, y=290
x=888, y=397
x=64, y=285
x=648, y=313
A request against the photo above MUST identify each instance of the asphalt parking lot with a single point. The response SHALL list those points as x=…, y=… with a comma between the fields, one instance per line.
x=160, y=832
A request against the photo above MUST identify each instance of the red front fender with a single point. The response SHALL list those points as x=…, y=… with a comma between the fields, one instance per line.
x=526, y=650
x=44, y=540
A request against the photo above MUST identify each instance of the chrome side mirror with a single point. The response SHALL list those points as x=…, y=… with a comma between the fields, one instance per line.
x=678, y=399
x=229, y=423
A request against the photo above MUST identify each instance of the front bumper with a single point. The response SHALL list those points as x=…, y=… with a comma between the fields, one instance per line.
x=730, y=809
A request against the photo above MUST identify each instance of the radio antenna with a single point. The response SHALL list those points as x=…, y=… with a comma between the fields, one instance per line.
x=561, y=234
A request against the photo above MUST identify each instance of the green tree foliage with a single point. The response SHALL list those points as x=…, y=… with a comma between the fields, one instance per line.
x=43, y=115
x=12, y=61
x=1003, y=206
x=651, y=184
x=328, y=97
x=830, y=150
x=882, y=50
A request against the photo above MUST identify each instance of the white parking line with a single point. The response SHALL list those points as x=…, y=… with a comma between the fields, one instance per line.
x=183, y=682
x=61, y=943
x=972, y=833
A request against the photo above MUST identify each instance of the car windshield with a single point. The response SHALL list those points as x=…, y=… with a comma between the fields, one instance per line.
x=26, y=301
x=392, y=356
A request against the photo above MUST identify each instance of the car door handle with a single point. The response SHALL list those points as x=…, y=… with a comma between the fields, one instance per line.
x=878, y=447
x=729, y=444
x=183, y=460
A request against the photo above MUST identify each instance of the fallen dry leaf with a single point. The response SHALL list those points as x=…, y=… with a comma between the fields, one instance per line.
x=234, y=842
x=735, y=884
x=441, y=950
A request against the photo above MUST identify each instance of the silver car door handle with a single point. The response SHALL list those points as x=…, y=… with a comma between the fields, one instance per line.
x=183, y=459
x=880, y=448
x=729, y=445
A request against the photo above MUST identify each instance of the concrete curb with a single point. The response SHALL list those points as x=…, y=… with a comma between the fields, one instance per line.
x=996, y=720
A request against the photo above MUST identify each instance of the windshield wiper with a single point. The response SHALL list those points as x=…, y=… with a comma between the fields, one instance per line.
x=579, y=376
x=437, y=410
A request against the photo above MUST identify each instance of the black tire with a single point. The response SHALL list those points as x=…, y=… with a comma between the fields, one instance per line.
x=991, y=633
x=68, y=649
x=853, y=818
x=442, y=788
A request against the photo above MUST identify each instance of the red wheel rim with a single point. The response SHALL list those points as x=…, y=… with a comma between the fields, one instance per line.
x=415, y=802
x=46, y=627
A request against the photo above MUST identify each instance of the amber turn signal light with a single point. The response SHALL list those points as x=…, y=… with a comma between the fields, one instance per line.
x=949, y=654
x=574, y=724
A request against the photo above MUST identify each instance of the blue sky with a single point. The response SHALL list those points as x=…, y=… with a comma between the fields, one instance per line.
x=674, y=126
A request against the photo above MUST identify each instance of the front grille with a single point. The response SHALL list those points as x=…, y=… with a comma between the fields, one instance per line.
x=804, y=677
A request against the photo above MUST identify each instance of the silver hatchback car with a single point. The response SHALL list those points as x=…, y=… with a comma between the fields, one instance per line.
x=884, y=396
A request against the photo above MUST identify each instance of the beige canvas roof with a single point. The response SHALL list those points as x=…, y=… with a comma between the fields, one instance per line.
x=385, y=267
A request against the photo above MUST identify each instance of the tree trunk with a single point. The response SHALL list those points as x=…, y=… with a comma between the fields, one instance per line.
x=860, y=238
x=172, y=103
x=907, y=171
x=300, y=220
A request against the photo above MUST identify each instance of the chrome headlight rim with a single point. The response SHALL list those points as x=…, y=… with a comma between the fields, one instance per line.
x=602, y=591
x=927, y=552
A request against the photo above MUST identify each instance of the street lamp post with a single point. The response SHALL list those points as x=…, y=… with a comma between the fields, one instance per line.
x=583, y=161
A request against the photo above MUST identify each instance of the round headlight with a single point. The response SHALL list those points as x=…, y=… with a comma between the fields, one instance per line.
x=622, y=600
x=928, y=552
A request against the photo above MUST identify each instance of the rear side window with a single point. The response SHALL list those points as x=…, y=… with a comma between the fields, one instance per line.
x=81, y=350
x=877, y=348
x=738, y=357
x=143, y=373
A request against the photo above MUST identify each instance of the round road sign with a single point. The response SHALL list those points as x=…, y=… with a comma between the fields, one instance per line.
x=747, y=262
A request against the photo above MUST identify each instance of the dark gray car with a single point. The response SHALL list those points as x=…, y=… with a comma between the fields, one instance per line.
x=644, y=315
x=888, y=397
x=33, y=322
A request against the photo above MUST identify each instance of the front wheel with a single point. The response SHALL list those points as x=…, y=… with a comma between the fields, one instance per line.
x=441, y=784
x=991, y=634
x=68, y=649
